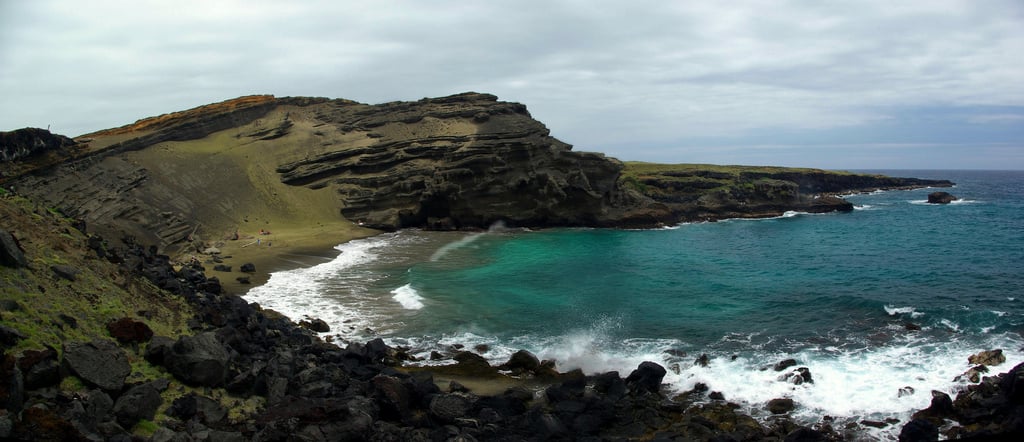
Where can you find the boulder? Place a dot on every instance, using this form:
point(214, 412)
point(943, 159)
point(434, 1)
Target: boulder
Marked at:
point(11, 254)
point(66, 272)
point(784, 364)
point(12, 384)
point(100, 363)
point(94, 407)
point(199, 360)
point(392, 396)
point(919, 430)
point(316, 324)
point(156, 349)
point(248, 268)
point(647, 377)
point(799, 376)
point(804, 434)
point(139, 402)
point(988, 358)
point(451, 406)
point(521, 362)
point(204, 409)
point(941, 408)
point(222, 268)
point(973, 374)
point(40, 368)
point(905, 391)
point(701, 360)
point(472, 364)
point(129, 331)
point(781, 405)
point(941, 198)
point(610, 384)
point(1012, 385)
point(9, 336)
point(565, 391)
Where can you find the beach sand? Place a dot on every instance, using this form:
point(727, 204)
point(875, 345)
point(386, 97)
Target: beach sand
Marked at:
point(284, 248)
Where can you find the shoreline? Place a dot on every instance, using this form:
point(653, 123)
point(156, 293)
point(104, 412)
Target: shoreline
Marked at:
point(284, 248)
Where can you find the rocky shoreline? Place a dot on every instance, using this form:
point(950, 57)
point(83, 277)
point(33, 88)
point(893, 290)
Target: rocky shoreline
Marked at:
point(288, 384)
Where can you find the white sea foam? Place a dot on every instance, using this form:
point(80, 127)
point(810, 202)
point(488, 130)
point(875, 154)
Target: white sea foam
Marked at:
point(895, 311)
point(863, 207)
point(408, 297)
point(301, 292)
point(1000, 313)
point(926, 203)
point(850, 385)
point(950, 325)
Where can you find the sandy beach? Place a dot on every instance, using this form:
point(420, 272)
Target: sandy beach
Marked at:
point(283, 248)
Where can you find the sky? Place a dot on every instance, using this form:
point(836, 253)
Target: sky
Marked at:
point(868, 84)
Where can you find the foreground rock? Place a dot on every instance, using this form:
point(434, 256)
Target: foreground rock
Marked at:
point(99, 363)
point(990, 410)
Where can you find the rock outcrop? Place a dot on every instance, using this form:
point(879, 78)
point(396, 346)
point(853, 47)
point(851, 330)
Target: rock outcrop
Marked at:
point(22, 144)
point(477, 161)
point(941, 198)
point(705, 192)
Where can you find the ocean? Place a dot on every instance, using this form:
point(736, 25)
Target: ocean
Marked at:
point(843, 294)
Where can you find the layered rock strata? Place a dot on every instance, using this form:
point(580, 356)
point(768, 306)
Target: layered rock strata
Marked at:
point(463, 161)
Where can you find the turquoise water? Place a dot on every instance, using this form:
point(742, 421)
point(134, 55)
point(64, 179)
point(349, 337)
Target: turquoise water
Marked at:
point(836, 291)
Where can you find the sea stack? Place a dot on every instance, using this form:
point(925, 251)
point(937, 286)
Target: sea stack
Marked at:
point(941, 198)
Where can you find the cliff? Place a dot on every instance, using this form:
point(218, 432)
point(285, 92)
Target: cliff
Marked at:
point(463, 161)
point(697, 192)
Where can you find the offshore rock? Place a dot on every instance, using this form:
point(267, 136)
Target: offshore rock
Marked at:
point(941, 198)
point(647, 377)
point(988, 357)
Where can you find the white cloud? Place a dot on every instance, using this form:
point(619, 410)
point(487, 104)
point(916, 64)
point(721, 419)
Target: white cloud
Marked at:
point(599, 74)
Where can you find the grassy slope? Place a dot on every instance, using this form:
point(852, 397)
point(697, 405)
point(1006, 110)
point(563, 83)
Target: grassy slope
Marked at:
point(101, 293)
point(230, 183)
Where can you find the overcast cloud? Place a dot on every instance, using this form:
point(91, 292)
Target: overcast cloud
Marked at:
point(833, 84)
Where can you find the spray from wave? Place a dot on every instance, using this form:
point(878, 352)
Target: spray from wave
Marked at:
point(497, 227)
point(408, 297)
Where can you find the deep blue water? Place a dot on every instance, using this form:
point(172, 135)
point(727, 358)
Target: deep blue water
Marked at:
point(836, 291)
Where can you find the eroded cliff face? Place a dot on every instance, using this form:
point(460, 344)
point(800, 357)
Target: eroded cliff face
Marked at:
point(462, 161)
